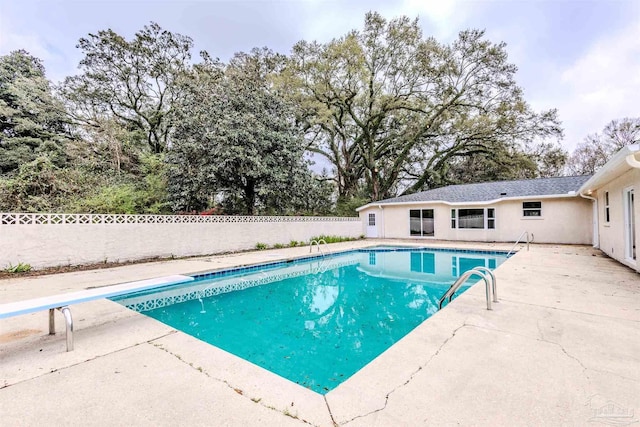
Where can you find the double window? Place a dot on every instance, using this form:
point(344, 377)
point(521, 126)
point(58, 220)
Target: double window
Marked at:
point(473, 218)
point(532, 209)
point(421, 222)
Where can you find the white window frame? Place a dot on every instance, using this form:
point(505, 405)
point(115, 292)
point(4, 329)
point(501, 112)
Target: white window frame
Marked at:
point(431, 236)
point(525, 209)
point(455, 219)
point(372, 220)
point(607, 212)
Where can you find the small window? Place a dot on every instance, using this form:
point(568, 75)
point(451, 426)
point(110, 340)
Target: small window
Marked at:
point(532, 209)
point(372, 219)
point(491, 218)
point(453, 218)
point(372, 258)
point(606, 206)
point(421, 222)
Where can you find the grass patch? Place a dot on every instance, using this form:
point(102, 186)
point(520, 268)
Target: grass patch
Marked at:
point(335, 239)
point(19, 268)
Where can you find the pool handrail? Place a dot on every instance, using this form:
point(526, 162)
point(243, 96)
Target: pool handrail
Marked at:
point(317, 243)
point(494, 281)
point(518, 241)
point(63, 301)
point(463, 278)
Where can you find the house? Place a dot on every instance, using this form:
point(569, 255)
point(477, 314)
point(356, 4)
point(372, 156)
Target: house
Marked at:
point(598, 210)
point(615, 213)
point(549, 208)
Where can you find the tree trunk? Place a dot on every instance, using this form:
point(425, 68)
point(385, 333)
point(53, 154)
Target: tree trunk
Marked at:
point(250, 197)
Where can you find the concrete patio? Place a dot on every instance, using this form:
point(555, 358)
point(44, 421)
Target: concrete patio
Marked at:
point(561, 348)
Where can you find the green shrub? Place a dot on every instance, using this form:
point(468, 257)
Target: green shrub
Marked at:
point(261, 246)
point(19, 268)
point(333, 239)
point(278, 246)
point(293, 244)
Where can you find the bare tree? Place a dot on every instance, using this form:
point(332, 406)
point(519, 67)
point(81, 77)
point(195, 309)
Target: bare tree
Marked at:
point(597, 149)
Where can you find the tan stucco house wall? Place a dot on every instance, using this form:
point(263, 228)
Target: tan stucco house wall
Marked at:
point(619, 234)
point(563, 220)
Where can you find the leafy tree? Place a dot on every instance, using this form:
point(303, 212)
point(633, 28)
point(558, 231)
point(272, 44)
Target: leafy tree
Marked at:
point(236, 142)
point(392, 109)
point(506, 163)
point(597, 149)
point(134, 82)
point(32, 122)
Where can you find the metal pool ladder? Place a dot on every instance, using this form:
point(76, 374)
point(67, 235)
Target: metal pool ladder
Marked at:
point(317, 243)
point(489, 281)
point(524, 233)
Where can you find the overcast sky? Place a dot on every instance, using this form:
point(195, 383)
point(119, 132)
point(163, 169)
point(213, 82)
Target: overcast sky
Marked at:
point(581, 57)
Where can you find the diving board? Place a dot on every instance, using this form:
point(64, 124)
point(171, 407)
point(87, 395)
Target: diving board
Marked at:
point(63, 301)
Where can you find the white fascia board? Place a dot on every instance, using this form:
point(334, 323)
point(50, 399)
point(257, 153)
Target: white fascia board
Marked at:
point(623, 161)
point(480, 203)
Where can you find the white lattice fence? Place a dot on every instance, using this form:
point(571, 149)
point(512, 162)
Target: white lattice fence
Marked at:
point(45, 240)
point(41, 219)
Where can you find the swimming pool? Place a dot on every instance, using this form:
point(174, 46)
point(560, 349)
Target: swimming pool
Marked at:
point(315, 321)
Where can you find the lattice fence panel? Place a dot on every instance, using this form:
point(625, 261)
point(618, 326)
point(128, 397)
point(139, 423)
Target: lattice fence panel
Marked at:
point(54, 219)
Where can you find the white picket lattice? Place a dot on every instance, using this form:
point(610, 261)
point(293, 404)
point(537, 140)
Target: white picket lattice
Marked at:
point(53, 219)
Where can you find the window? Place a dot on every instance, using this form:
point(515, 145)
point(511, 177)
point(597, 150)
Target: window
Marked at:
point(606, 206)
point(423, 262)
point(372, 258)
point(491, 218)
point(532, 209)
point(473, 218)
point(421, 222)
point(470, 218)
point(372, 219)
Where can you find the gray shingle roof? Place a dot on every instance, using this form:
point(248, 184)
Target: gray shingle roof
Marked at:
point(486, 191)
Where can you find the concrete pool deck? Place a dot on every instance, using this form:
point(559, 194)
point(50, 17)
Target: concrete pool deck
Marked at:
point(561, 347)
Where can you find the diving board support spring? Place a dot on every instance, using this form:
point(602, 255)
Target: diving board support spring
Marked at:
point(68, 320)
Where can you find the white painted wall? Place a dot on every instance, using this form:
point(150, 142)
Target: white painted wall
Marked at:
point(611, 237)
point(48, 245)
point(563, 220)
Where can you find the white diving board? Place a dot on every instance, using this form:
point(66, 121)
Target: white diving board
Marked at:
point(63, 301)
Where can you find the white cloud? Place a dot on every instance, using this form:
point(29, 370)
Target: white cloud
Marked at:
point(602, 85)
point(41, 44)
point(445, 17)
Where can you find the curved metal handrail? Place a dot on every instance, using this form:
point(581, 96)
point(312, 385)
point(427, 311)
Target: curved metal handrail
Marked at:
point(463, 278)
point(518, 241)
point(494, 287)
point(317, 243)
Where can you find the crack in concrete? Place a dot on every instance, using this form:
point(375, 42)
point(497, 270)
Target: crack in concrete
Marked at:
point(569, 355)
point(238, 391)
point(6, 384)
point(413, 374)
point(333, 420)
point(569, 311)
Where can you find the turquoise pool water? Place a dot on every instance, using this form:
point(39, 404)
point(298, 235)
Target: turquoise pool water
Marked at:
point(315, 322)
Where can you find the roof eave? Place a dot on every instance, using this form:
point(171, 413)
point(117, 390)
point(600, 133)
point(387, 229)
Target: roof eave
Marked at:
point(623, 161)
point(481, 202)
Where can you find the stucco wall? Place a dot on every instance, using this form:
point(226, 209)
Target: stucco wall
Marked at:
point(563, 220)
point(40, 242)
point(611, 234)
